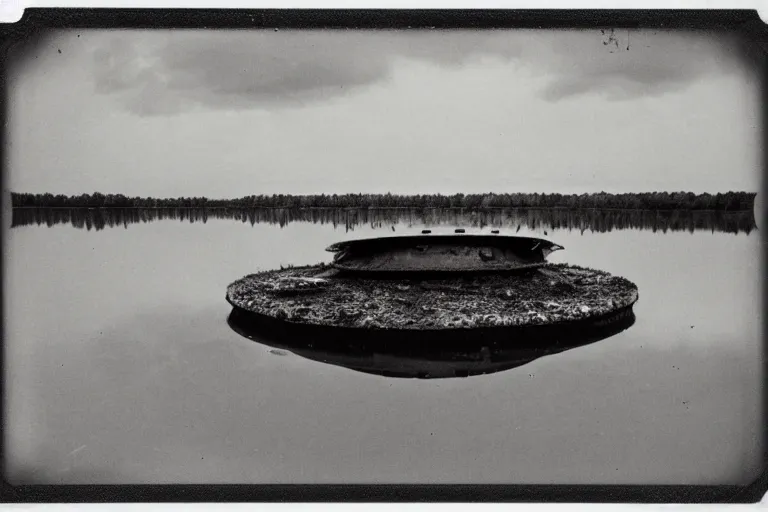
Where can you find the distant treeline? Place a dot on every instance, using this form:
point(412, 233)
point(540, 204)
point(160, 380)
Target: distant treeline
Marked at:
point(728, 201)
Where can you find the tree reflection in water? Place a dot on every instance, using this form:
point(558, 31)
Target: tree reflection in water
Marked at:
point(592, 220)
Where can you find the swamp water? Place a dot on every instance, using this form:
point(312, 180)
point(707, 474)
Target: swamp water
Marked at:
point(121, 367)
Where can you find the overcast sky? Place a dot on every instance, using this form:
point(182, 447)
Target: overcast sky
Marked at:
point(232, 113)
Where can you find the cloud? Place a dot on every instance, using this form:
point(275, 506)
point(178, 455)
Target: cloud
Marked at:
point(640, 63)
point(165, 72)
point(238, 69)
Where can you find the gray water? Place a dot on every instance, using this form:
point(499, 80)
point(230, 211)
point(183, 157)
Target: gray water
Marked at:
point(121, 368)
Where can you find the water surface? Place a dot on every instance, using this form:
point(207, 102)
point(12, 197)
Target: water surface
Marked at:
point(122, 368)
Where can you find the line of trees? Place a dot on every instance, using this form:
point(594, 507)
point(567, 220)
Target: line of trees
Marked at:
point(728, 201)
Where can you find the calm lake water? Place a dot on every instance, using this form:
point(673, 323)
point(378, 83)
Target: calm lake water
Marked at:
point(121, 367)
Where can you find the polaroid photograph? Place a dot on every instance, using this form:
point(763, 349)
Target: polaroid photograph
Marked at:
point(383, 255)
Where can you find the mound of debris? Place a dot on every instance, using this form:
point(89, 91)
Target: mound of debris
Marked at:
point(318, 295)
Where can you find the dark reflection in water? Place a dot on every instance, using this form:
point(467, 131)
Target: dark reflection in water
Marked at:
point(430, 360)
point(554, 219)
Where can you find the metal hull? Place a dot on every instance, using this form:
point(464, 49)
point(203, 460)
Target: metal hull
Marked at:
point(446, 254)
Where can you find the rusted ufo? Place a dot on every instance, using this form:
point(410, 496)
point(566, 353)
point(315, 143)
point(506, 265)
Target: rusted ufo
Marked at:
point(451, 291)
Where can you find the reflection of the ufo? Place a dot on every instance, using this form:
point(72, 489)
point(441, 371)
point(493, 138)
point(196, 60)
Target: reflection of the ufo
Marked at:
point(426, 361)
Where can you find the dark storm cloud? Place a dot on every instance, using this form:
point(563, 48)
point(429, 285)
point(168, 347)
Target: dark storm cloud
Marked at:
point(635, 64)
point(265, 68)
point(167, 72)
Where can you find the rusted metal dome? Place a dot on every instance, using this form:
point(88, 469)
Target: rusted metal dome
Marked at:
point(426, 254)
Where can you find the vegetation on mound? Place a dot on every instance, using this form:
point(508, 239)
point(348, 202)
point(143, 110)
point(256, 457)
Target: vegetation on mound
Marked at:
point(315, 295)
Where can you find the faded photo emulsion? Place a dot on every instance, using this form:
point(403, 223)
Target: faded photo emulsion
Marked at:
point(383, 256)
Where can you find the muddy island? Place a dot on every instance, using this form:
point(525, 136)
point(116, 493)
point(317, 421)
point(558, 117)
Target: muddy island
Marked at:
point(529, 301)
